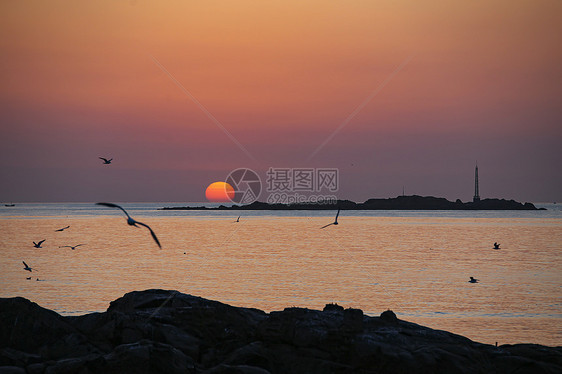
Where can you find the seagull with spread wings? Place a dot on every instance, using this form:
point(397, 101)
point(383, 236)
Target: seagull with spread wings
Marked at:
point(62, 229)
point(73, 247)
point(27, 267)
point(131, 221)
point(38, 245)
point(105, 160)
point(335, 221)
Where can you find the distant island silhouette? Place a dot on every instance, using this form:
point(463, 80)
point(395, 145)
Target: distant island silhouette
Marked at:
point(413, 202)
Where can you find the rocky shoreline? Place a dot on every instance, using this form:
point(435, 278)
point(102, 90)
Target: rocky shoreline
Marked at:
point(159, 331)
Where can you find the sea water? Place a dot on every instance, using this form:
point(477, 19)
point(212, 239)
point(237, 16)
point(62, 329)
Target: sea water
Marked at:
point(416, 263)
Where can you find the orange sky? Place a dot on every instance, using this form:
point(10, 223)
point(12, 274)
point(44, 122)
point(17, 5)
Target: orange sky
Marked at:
point(78, 82)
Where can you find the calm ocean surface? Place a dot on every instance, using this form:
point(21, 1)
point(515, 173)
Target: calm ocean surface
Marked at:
point(416, 263)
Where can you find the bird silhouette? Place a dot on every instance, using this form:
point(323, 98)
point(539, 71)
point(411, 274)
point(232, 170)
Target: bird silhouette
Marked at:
point(105, 160)
point(38, 245)
point(64, 228)
point(473, 280)
point(496, 245)
point(26, 267)
point(73, 247)
point(131, 221)
point(237, 220)
point(335, 221)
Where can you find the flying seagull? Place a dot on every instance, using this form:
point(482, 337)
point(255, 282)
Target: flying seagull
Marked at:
point(73, 247)
point(335, 221)
point(473, 280)
point(105, 160)
point(131, 221)
point(38, 245)
point(64, 228)
point(237, 219)
point(26, 267)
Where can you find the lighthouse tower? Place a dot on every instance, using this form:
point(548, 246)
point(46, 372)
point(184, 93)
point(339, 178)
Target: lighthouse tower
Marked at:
point(476, 191)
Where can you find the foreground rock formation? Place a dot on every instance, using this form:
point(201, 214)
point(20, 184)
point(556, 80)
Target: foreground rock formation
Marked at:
point(157, 331)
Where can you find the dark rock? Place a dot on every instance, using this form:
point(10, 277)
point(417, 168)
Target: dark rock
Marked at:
point(353, 320)
point(71, 365)
point(70, 345)
point(236, 369)
point(178, 339)
point(11, 370)
point(255, 354)
point(10, 356)
point(389, 316)
point(35, 368)
point(157, 331)
point(332, 308)
point(147, 357)
point(535, 352)
point(26, 326)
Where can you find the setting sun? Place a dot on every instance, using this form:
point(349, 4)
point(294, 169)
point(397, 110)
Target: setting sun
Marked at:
point(219, 192)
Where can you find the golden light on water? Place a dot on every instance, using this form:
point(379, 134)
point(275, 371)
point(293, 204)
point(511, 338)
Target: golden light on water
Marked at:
point(418, 267)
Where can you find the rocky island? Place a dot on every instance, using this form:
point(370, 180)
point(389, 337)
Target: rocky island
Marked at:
point(413, 202)
point(158, 331)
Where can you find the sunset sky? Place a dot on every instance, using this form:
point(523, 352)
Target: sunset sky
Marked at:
point(452, 83)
